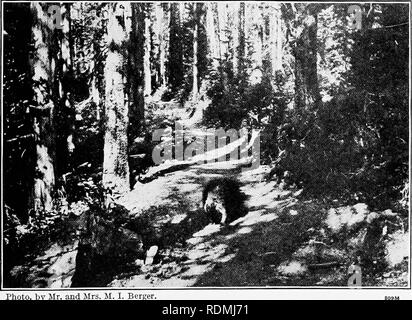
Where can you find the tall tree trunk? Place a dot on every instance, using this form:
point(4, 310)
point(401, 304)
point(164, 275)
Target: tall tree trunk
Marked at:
point(43, 68)
point(241, 45)
point(276, 39)
point(305, 52)
point(257, 32)
point(94, 90)
point(162, 30)
point(136, 68)
point(175, 63)
point(221, 18)
point(222, 9)
point(254, 30)
point(146, 58)
point(195, 85)
point(212, 35)
point(115, 163)
point(96, 67)
point(65, 115)
point(235, 36)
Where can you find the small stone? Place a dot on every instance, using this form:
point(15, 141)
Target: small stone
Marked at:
point(292, 268)
point(138, 262)
point(333, 220)
point(397, 248)
point(151, 254)
point(361, 208)
point(371, 217)
point(389, 213)
point(293, 212)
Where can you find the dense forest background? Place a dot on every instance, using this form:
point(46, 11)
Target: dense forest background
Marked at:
point(85, 86)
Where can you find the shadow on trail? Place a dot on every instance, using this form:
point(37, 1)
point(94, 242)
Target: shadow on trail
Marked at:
point(256, 250)
point(244, 253)
point(109, 247)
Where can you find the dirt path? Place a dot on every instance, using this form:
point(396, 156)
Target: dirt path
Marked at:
point(212, 256)
point(273, 245)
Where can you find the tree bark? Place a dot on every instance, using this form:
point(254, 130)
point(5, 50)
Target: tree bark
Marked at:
point(146, 58)
point(43, 68)
point(212, 35)
point(235, 37)
point(162, 30)
point(305, 52)
point(276, 39)
point(254, 30)
point(175, 63)
point(222, 9)
point(221, 18)
point(115, 163)
point(136, 74)
point(241, 45)
point(195, 85)
point(65, 113)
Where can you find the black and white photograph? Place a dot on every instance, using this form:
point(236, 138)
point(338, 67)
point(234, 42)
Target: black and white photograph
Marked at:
point(205, 145)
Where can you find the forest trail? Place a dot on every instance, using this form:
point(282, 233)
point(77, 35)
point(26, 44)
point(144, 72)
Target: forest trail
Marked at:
point(214, 255)
point(233, 255)
point(192, 251)
point(274, 244)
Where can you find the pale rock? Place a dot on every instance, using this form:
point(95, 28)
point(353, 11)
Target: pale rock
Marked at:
point(361, 208)
point(372, 217)
point(333, 221)
point(151, 254)
point(292, 268)
point(397, 248)
point(293, 212)
point(389, 213)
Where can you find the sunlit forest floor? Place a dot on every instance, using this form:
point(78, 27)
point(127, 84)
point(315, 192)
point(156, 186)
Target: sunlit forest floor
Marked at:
point(282, 241)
